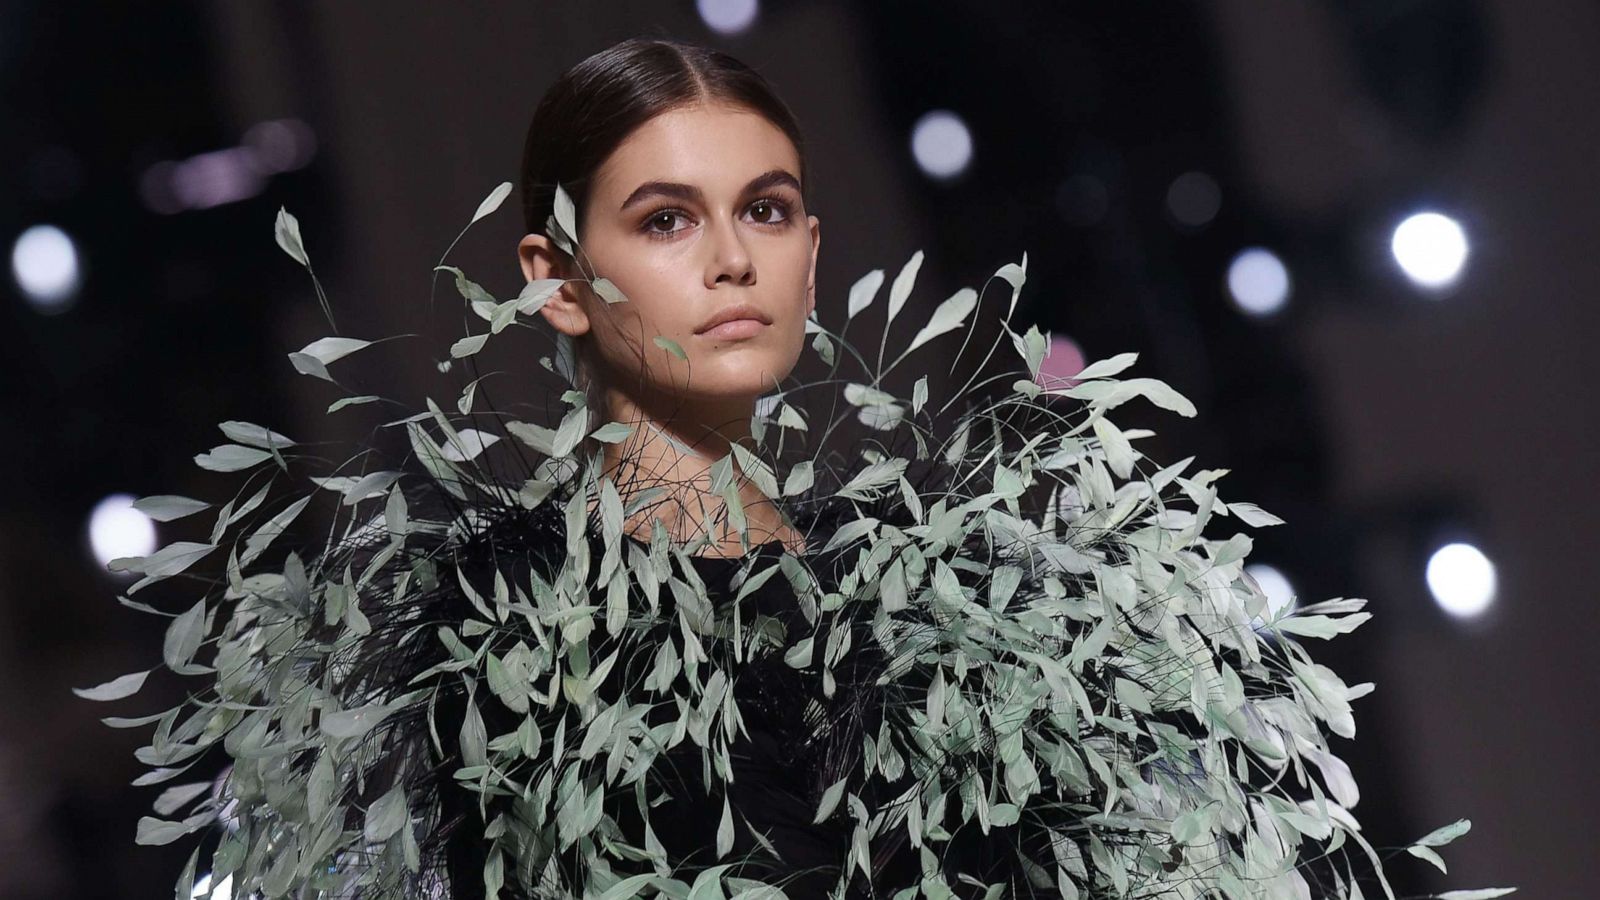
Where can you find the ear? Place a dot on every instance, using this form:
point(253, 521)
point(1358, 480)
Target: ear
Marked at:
point(540, 259)
point(811, 276)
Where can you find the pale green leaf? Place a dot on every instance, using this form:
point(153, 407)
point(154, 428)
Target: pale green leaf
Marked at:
point(493, 201)
point(115, 689)
point(949, 315)
point(167, 507)
point(862, 292)
point(670, 345)
point(903, 282)
point(286, 229)
point(231, 458)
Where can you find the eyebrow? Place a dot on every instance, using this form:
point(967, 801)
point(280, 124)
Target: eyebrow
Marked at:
point(688, 192)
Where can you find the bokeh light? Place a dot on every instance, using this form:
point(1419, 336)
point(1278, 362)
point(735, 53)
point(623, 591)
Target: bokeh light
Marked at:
point(1258, 281)
point(116, 529)
point(1431, 249)
point(45, 266)
point(728, 16)
point(1461, 579)
point(941, 144)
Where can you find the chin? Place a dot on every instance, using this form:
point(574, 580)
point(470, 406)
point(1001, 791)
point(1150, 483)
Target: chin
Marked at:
point(747, 383)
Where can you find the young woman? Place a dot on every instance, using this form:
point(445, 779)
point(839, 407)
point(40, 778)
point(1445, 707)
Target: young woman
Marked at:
point(689, 182)
point(638, 650)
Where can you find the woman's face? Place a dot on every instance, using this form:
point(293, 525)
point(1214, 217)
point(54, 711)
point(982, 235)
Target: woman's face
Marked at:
point(697, 214)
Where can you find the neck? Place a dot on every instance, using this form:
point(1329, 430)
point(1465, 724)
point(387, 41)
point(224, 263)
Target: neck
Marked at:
point(674, 444)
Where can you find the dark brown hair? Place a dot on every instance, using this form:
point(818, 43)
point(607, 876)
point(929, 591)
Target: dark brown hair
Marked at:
point(597, 103)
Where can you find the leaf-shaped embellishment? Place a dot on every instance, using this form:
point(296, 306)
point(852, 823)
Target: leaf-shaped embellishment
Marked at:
point(269, 531)
point(231, 458)
point(386, 816)
point(1119, 452)
point(474, 738)
point(167, 507)
point(538, 437)
point(1324, 627)
point(321, 787)
point(613, 432)
point(468, 346)
point(566, 214)
point(829, 802)
point(800, 479)
point(950, 315)
point(607, 290)
point(535, 294)
point(155, 832)
point(115, 689)
point(867, 483)
point(725, 829)
point(903, 282)
point(183, 637)
point(670, 345)
point(570, 434)
point(313, 359)
point(1444, 835)
point(1015, 274)
point(286, 229)
point(178, 796)
point(850, 532)
point(353, 723)
point(1106, 368)
point(253, 435)
point(493, 201)
point(342, 402)
point(470, 290)
point(467, 444)
point(863, 291)
point(824, 347)
point(169, 560)
point(1251, 514)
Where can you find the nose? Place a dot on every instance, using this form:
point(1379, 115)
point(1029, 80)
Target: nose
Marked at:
point(730, 258)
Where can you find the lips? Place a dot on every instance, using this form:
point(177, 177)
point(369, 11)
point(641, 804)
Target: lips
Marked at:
point(741, 317)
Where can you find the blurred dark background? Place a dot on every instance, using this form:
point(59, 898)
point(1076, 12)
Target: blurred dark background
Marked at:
point(1360, 235)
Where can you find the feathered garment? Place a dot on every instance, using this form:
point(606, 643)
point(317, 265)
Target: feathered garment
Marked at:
point(1009, 663)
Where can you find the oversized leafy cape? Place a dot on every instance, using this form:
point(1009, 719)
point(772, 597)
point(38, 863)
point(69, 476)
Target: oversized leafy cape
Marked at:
point(1051, 655)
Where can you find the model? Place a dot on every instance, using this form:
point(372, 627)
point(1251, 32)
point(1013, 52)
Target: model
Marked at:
point(675, 637)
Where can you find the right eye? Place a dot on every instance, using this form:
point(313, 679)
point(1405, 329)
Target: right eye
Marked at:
point(662, 217)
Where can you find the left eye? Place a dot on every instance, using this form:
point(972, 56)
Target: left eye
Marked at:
point(772, 207)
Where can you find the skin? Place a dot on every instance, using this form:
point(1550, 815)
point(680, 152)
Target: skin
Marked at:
point(679, 259)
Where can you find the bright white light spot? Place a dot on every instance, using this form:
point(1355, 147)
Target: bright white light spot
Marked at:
point(1258, 281)
point(1430, 248)
point(44, 262)
point(728, 16)
point(223, 891)
point(1462, 580)
point(1193, 198)
point(1280, 593)
point(117, 529)
point(941, 144)
point(1063, 358)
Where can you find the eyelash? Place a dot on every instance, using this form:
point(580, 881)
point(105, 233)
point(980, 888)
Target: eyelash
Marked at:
point(780, 205)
